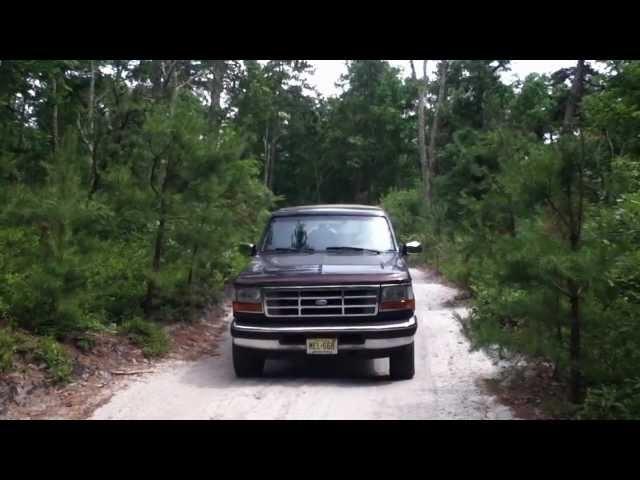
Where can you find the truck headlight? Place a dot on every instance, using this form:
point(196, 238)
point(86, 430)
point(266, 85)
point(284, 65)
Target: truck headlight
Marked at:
point(397, 297)
point(247, 299)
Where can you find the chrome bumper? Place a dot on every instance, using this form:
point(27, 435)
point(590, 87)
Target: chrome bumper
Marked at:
point(328, 329)
point(369, 344)
point(376, 336)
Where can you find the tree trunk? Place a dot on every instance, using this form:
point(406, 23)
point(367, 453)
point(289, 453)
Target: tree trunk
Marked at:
point(574, 231)
point(172, 94)
point(193, 259)
point(271, 137)
point(216, 87)
point(356, 185)
point(267, 151)
point(575, 367)
point(318, 180)
point(91, 140)
point(431, 157)
point(157, 250)
point(23, 121)
point(173, 90)
point(92, 96)
point(54, 115)
point(574, 98)
point(156, 79)
point(422, 149)
point(512, 221)
point(158, 244)
point(272, 161)
point(556, 367)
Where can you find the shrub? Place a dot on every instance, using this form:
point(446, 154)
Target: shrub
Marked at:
point(406, 210)
point(115, 281)
point(56, 359)
point(150, 336)
point(42, 349)
point(7, 349)
point(613, 402)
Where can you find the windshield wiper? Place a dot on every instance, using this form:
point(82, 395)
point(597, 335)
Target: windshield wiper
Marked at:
point(354, 249)
point(290, 250)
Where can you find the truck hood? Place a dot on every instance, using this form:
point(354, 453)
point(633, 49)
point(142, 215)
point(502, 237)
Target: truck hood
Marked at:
point(324, 269)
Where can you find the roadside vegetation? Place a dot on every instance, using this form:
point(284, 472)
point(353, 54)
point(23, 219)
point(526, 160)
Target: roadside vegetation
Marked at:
point(126, 187)
point(534, 210)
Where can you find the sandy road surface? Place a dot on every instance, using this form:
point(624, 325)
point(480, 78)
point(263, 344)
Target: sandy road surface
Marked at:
point(446, 385)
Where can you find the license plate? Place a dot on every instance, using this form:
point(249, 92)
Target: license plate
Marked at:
point(322, 346)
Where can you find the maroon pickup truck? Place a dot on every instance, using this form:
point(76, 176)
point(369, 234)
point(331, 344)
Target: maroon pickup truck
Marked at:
point(325, 280)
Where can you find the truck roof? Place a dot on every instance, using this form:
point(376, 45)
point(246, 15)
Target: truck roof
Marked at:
point(329, 209)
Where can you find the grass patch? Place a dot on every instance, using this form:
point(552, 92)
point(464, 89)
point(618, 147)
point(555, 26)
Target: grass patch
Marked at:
point(55, 358)
point(612, 402)
point(7, 349)
point(559, 408)
point(45, 349)
point(149, 336)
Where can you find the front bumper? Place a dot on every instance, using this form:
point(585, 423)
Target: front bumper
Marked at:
point(379, 338)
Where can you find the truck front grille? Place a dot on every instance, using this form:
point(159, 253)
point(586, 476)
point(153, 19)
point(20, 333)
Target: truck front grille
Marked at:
point(339, 301)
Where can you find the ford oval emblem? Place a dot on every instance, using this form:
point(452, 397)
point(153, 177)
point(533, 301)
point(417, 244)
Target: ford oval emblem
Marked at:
point(321, 302)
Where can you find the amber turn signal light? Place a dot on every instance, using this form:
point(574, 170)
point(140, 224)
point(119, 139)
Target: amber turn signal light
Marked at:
point(247, 307)
point(404, 304)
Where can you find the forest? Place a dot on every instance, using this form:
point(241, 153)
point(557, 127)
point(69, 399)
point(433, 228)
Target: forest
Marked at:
point(126, 187)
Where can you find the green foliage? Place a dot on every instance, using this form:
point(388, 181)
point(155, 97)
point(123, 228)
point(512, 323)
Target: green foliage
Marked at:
point(615, 110)
point(148, 335)
point(531, 221)
point(115, 281)
point(367, 134)
point(55, 358)
point(407, 211)
point(79, 249)
point(136, 216)
point(45, 349)
point(613, 402)
point(577, 229)
point(7, 349)
point(356, 146)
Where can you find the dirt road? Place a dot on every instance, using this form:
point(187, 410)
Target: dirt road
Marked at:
point(446, 385)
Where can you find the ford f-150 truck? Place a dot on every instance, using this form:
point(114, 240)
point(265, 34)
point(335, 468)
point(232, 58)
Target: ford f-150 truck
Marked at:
point(325, 280)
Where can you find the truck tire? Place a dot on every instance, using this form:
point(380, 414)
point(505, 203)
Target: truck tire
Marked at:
point(401, 363)
point(247, 363)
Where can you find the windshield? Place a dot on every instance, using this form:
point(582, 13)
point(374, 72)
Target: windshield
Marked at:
point(333, 232)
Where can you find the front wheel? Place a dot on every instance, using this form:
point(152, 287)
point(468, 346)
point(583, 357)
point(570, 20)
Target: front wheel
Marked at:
point(401, 363)
point(247, 363)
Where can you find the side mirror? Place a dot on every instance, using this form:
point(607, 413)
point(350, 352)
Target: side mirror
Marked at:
point(248, 249)
point(411, 247)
